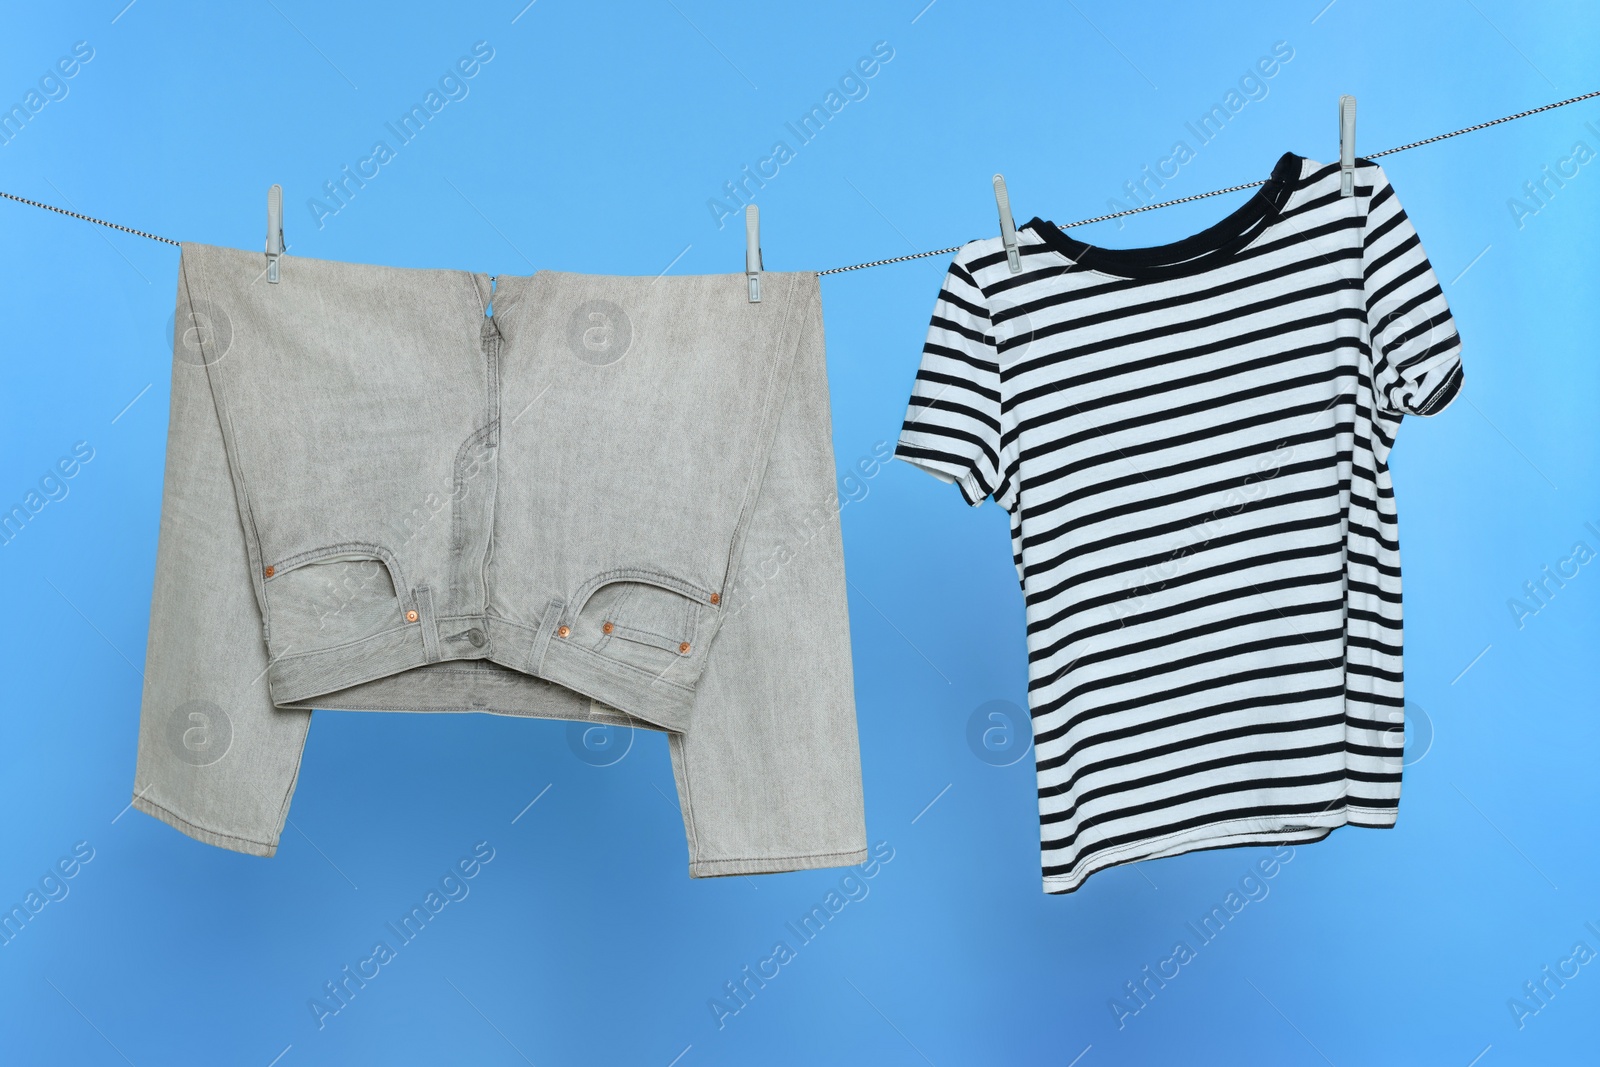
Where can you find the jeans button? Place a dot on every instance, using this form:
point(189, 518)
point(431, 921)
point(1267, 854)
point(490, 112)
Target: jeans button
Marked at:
point(475, 635)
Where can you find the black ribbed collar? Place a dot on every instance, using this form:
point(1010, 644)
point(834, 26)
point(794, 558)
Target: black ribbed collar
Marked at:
point(1205, 250)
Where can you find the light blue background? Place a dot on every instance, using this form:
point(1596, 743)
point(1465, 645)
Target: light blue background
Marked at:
point(592, 142)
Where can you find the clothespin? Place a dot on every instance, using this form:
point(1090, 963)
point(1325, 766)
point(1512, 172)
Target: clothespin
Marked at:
point(274, 231)
point(1008, 225)
point(752, 251)
point(1347, 146)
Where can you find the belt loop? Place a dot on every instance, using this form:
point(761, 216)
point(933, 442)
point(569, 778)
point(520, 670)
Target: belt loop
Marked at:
point(548, 624)
point(429, 624)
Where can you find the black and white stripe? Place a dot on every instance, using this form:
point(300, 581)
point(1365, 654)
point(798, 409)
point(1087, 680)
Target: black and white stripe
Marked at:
point(1192, 442)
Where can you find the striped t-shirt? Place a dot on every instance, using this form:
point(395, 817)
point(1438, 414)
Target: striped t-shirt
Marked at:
point(1192, 441)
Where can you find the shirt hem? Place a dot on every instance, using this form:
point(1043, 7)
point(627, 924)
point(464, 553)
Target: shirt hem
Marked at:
point(1231, 833)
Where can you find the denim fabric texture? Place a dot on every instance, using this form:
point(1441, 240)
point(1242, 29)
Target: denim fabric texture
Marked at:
point(563, 496)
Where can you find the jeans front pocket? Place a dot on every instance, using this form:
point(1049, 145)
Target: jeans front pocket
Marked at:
point(641, 624)
point(330, 600)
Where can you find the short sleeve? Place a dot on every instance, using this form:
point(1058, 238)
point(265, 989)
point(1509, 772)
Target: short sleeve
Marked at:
point(952, 426)
point(1416, 353)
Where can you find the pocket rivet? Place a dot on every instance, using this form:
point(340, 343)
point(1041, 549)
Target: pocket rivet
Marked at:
point(411, 616)
point(684, 648)
point(716, 598)
point(269, 571)
point(607, 628)
point(563, 631)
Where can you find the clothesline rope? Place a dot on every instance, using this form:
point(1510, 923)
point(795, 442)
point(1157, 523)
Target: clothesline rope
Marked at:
point(957, 248)
point(85, 218)
point(1233, 188)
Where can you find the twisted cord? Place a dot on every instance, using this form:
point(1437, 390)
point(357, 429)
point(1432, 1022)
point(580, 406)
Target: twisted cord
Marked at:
point(1237, 188)
point(86, 218)
point(957, 248)
point(1485, 125)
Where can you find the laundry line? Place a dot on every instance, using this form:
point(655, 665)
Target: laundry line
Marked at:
point(957, 248)
point(1231, 188)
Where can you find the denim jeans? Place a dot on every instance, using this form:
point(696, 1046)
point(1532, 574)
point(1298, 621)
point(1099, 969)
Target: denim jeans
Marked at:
point(563, 496)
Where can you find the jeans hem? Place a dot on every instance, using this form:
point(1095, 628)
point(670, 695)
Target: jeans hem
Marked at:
point(249, 846)
point(776, 864)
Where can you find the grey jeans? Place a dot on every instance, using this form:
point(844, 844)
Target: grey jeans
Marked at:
point(564, 496)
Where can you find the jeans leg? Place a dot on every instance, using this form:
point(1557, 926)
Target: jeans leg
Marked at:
point(216, 759)
point(769, 771)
